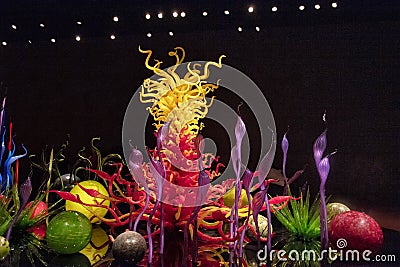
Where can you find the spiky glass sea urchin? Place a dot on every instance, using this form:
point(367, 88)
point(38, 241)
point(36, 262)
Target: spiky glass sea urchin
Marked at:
point(303, 223)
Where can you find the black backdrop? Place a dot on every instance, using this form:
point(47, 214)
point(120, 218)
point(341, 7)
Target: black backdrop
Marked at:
point(344, 61)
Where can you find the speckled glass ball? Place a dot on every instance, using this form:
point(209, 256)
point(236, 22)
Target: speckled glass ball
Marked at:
point(358, 230)
point(334, 209)
point(68, 232)
point(129, 246)
point(263, 226)
point(67, 180)
point(4, 248)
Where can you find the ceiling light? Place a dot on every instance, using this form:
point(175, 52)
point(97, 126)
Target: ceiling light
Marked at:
point(115, 19)
point(148, 16)
point(77, 38)
point(149, 35)
point(41, 25)
point(317, 6)
point(251, 9)
point(274, 9)
point(14, 26)
point(52, 40)
point(29, 41)
point(4, 43)
point(183, 14)
point(334, 5)
point(257, 28)
point(160, 15)
point(302, 7)
point(175, 14)
point(205, 13)
point(171, 34)
point(79, 22)
point(112, 36)
point(240, 29)
point(226, 12)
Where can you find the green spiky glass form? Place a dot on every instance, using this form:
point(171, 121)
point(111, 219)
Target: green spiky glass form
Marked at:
point(301, 219)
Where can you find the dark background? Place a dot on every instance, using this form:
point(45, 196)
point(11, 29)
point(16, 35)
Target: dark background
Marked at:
point(343, 60)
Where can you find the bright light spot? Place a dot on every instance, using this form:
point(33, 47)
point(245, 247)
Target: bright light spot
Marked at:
point(226, 12)
point(79, 22)
point(175, 14)
point(53, 40)
point(334, 5)
point(274, 9)
point(205, 13)
point(171, 34)
point(78, 38)
point(14, 26)
point(41, 25)
point(257, 28)
point(317, 6)
point(115, 19)
point(149, 35)
point(148, 16)
point(251, 9)
point(302, 7)
point(183, 14)
point(160, 15)
point(112, 36)
point(29, 41)
point(4, 43)
point(240, 29)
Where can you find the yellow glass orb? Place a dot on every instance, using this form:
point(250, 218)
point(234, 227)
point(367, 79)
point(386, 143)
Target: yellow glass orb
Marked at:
point(100, 241)
point(229, 198)
point(87, 199)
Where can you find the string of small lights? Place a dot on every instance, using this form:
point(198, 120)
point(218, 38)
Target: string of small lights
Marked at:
point(172, 16)
point(79, 23)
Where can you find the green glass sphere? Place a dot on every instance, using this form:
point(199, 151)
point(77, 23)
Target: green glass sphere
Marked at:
point(68, 232)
